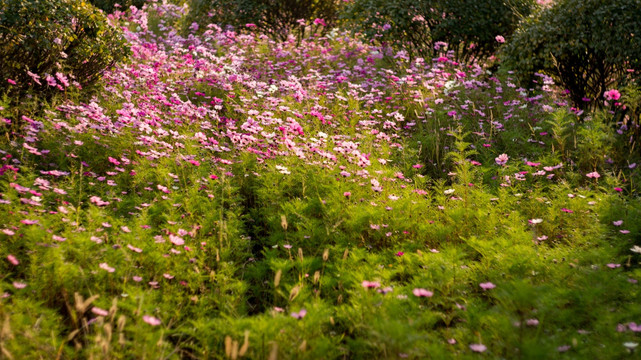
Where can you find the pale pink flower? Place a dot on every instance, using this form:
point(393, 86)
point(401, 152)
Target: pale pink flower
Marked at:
point(106, 267)
point(153, 321)
point(13, 260)
point(418, 292)
point(176, 240)
point(100, 312)
point(487, 286)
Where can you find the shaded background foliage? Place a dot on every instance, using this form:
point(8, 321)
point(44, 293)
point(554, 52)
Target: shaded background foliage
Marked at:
point(278, 18)
point(47, 37)
point(470, 27)
point(109, 5)
point(586, 45)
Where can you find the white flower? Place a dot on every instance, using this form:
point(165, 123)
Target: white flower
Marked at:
point(636, 249)
point(448, 191)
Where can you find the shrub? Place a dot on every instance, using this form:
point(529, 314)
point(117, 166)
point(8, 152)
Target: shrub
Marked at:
point(587, 45)
point(108, 5)
point(470, 27)
point(276, 17)
point(66, 41)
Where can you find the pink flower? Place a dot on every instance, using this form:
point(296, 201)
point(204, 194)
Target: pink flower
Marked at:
point(500, 39)
point(250, 25)
point(176, 240)
point(487, 286)
point(422, 293)
point(59, 238)
point(13, 260)
point(133, 248)
point(12, 82)
point(532, 322)
point(153, 321)
point(371, 284)
point(478, 347)
point(100, 312)
point(617, 223)
point(502, 159)
point(612, 94)
point(299, 315)
point(321, 22)
point(593, 175)
point(106, 267)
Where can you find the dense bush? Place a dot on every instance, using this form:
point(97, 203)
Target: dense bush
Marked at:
point(469, 26)
point(587, 45)
point(278, 18)
point(54, 44)
point(109, 5)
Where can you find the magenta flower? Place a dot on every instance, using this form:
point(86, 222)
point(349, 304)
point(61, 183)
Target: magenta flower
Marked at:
point(612, 94)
